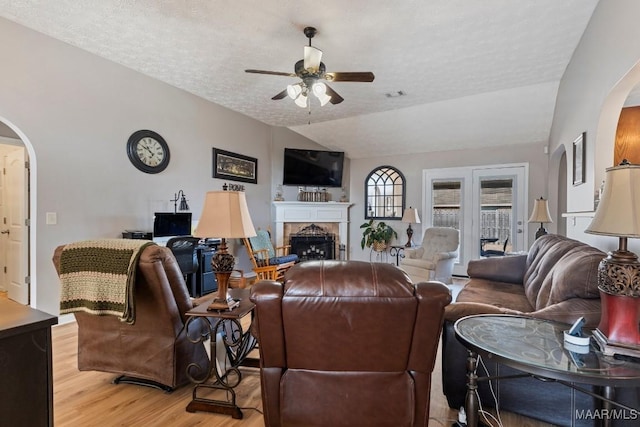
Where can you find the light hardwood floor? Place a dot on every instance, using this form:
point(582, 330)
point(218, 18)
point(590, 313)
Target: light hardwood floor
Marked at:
point(90, 399)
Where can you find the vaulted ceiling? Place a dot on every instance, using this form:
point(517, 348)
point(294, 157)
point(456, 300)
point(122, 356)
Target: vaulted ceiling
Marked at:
point(482, 73)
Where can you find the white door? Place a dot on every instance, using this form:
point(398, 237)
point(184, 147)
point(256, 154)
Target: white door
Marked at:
point(447, 203)
point(499, 199)
point(14, 228)
point(462, 198)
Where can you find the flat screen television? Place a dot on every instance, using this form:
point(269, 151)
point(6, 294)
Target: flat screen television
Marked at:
point(167, 224)
point(313, 167)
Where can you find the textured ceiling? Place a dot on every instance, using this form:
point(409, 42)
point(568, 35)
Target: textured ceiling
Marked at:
point(474, 73)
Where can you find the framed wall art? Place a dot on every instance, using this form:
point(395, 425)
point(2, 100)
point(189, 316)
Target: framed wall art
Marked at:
point(234, 167)
point(579, 161)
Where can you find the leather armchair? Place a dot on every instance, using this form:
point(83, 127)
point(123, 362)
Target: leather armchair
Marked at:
point(155, 350)
point(347, 343)
point(435, 257)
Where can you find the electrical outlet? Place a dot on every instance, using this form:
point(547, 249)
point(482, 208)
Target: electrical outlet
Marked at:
point(51, 218)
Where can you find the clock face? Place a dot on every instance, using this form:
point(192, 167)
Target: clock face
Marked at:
point(148, 151)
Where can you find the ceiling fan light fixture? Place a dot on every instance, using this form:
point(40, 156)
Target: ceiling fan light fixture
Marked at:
point(294, 91)
point(319, 89)
point(324, 99)
point(301, 100)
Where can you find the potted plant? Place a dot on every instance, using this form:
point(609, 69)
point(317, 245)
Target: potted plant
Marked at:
point(376, 236)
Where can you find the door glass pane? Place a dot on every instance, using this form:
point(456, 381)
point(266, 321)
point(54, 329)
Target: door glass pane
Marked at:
point(447, 196)
point(496, 216)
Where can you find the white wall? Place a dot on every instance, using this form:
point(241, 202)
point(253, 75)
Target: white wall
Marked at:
point(412, 167)
point(77, 111)
point(591, 95)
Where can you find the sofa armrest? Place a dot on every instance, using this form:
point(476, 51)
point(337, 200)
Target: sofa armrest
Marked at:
point(568, 311)
point(509, 269)
point(414, 253)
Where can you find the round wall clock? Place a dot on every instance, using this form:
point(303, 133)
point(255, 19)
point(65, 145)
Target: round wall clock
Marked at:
point(148, 151)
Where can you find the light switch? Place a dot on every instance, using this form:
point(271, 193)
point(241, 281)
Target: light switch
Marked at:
point(52, 218)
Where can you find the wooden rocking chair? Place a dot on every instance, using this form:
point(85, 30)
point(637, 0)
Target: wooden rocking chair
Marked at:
point(269, 263)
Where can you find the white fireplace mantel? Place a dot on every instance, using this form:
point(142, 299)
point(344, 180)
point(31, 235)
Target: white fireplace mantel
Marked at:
point(315, 212)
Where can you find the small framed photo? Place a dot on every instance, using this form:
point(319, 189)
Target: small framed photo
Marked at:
point(579, 161)
point(234, 167)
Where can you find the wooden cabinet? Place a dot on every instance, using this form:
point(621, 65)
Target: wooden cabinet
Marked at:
point(26, 385)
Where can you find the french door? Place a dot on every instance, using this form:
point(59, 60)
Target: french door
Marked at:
point(487, 204)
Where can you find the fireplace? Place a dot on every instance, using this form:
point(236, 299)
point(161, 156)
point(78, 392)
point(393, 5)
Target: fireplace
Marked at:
point(291, 217)
point(313, 242)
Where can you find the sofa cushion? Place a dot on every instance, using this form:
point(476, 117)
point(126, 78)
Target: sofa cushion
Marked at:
point(551, 275)
point(498, 294)
point(283, 259)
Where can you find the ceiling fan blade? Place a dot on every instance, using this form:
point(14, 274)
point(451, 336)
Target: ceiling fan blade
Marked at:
point(335, 98)
point(312, 58)
point(350, 77)
point(272, 73)
point(280, 95)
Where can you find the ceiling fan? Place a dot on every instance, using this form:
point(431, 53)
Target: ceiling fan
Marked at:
point(312, 71)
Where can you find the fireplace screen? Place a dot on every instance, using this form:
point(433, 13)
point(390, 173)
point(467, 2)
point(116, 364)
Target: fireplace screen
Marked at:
point(313, 242)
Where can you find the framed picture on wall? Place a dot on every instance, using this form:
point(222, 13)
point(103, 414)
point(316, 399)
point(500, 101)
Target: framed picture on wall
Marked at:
point(234, 167)
point(579, 164)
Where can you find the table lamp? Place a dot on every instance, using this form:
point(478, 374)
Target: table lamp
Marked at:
point(540, 214)
point(181, 197)
point(225, 215)
point(410, 215)
point(618, 214)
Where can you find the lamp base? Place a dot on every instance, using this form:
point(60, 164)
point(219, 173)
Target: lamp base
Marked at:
point(541, 231)
point(617, 332)
point(220, 302)
point(409, 236)
point(618, 275)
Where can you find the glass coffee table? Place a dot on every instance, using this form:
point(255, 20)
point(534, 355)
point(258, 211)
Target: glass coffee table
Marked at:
point(536, 347)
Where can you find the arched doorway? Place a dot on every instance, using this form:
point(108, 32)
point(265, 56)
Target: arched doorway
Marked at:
point(16, 235)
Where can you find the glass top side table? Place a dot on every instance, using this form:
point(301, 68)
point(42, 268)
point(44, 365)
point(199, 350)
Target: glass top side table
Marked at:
point(536, 347)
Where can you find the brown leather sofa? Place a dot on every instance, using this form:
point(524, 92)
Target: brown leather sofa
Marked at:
point(345, 343)
point(557, 280)
point(155, 349)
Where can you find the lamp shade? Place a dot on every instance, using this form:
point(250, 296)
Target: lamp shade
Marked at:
point(540, 212)
point(225, 215)
point(410, 215)
point(618, 213)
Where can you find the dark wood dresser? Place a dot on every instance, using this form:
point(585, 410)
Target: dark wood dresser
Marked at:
point(26, 383)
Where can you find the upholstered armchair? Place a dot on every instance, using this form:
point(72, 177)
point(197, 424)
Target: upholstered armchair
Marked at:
point(435, 257)
point(269, 263)
point(347, 343)
point(153, 347)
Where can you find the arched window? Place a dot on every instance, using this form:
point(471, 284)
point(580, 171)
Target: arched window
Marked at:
point(384, 193)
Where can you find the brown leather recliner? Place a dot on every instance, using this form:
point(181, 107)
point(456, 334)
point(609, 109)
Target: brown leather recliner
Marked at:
point(347, 343)
point(155, 349)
